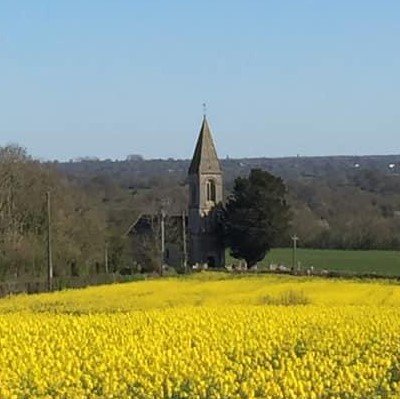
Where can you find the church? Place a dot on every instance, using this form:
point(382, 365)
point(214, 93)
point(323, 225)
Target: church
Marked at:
point(205, 193)
point(204, 237)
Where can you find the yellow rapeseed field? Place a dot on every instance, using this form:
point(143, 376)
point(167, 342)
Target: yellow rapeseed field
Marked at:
point(205, 336)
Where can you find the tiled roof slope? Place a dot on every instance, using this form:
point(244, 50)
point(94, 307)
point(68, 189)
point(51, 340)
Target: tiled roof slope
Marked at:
point(205, 159)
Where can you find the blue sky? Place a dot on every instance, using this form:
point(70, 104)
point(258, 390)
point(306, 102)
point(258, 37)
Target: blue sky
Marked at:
point(112, 78)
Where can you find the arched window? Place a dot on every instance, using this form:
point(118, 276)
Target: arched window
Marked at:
point(210, 190)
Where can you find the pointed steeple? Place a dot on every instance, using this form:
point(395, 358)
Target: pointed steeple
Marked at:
point(205, 159)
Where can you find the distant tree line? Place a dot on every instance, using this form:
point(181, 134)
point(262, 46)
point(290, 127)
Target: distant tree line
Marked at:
point(78, 223)
point(343, 202)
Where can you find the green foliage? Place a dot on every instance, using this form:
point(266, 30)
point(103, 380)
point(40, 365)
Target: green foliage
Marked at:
point(78, 225)
point(257, 215)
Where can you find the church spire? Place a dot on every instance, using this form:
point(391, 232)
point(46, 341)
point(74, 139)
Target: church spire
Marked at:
point(205, 159)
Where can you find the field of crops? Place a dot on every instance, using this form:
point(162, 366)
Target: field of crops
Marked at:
point(205, 336)
point(385, 263)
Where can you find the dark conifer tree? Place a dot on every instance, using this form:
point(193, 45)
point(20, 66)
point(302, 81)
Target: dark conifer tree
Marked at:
point(257, 215)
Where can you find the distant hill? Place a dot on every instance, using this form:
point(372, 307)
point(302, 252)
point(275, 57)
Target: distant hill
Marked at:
point(337, 201)
point(138, 170)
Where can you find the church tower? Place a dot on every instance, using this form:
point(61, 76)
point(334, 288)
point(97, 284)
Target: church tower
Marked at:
point(205, 193)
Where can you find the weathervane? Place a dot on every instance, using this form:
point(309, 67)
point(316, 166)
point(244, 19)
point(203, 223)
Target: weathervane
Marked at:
point(204, 110)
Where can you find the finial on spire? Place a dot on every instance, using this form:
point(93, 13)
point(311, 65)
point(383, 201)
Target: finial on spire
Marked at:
point(204, 110)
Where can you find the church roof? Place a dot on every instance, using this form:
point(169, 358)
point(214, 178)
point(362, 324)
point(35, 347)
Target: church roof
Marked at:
point(205, 159)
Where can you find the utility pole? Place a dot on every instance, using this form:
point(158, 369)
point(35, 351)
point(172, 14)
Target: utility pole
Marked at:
point(184, 241)
point(163, 203)
point(162, 222)
point(49, 248)
point(294, 239)
point(106, 257)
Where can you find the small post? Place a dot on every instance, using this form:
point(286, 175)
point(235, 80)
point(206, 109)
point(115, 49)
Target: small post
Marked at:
point(184, 241)
point(49, 248)
point(294, 239)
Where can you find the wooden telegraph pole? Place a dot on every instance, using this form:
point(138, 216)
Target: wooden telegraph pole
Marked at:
point(162, 222)
point(163, 203)
point(184, 249)
point(294, 253)
point(49, 248)
point(106, 257)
